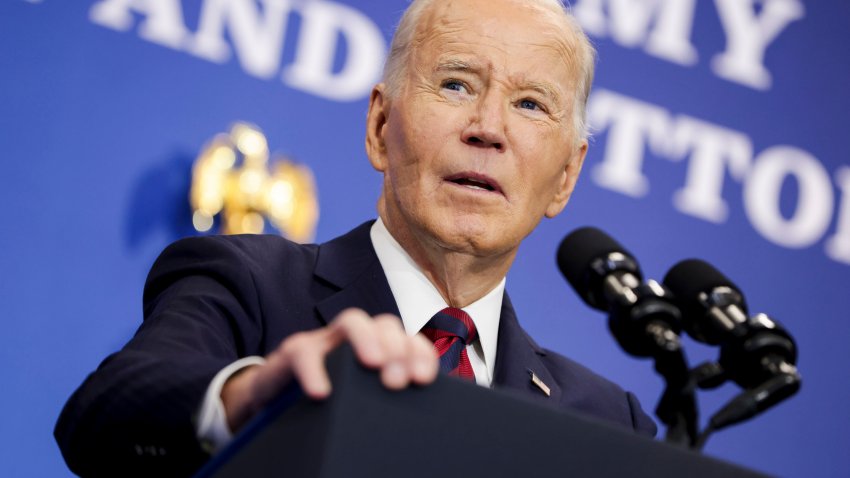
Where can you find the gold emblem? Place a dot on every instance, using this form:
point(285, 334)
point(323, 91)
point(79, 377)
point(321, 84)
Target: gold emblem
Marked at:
point(231, 176)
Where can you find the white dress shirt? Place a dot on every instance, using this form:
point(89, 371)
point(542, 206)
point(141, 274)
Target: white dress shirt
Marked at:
point(417, 299)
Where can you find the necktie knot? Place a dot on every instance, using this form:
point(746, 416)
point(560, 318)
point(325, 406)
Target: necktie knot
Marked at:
point(451, 330)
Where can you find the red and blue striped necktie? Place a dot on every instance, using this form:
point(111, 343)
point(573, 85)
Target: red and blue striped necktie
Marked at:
point(452, 330)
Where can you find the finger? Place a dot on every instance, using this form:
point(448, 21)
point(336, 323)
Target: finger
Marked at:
point(395, 372)
point(359, 329)
point(423, 361)
point(305, 353)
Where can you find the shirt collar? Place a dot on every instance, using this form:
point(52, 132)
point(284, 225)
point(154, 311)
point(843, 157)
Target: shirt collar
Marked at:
point(418, 299)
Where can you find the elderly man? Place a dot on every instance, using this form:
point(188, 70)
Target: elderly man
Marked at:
point(478, 131)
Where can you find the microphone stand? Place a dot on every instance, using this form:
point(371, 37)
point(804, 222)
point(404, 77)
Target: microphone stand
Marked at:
point(677, 407)
point(645, 323)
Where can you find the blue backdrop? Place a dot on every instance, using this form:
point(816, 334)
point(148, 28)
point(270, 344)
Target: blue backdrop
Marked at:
point(720, 132)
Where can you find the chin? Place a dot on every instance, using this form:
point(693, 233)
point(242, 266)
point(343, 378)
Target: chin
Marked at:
point(473, 236)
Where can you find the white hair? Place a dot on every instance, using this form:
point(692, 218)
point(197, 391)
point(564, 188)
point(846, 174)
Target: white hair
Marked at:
point(583, 54)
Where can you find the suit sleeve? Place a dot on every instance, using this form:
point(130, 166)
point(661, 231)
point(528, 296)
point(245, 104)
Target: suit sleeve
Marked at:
point(134, 415)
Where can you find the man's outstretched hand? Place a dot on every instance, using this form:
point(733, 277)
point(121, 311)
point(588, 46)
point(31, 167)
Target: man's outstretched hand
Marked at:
point(378, 343)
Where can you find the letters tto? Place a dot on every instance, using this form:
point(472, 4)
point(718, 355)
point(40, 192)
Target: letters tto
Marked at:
point(713, 152)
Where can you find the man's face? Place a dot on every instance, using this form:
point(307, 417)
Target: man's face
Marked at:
point(479, 144)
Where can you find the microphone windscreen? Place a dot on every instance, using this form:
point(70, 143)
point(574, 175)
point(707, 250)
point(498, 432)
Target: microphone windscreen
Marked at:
point(578, 250)
point(690, 277)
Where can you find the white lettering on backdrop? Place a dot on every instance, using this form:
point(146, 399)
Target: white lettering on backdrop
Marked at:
point(664, 27)
point(633, 127)
point(254, 31)
point(257, 37)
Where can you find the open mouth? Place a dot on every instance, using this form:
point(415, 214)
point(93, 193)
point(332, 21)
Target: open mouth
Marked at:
point(474, 182)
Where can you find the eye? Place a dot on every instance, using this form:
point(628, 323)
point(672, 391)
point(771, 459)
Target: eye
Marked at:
point(529, 105)
point(454, 85)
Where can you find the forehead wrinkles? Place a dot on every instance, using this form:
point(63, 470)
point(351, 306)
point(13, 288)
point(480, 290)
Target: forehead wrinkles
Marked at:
point(431, 28)
point(442, 22)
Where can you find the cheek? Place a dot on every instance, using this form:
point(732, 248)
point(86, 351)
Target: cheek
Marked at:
point(542, 164)
point(421, 142)
point(401, 151)
point(405, 165)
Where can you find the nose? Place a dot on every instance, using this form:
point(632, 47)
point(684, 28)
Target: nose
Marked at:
point(486, 128)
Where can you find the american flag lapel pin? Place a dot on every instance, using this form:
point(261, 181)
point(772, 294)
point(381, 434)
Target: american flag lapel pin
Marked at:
point(539, 383)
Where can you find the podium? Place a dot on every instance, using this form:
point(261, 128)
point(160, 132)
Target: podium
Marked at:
point(451, 428)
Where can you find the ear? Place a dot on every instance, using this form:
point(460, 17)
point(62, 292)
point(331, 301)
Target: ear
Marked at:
point(376, 120)
point(568, 181)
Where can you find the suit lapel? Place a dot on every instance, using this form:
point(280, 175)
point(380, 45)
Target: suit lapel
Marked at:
point(351, 267)
point(517, 356)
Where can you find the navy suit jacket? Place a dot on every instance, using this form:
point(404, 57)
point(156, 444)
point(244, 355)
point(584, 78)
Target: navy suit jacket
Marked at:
point(211, 300)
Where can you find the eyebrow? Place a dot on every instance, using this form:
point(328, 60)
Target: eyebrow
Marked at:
point(454, 64)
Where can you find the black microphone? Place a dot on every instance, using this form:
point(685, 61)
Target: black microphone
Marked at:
point(643, 317)
point(698, 287)
point(753, 349)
